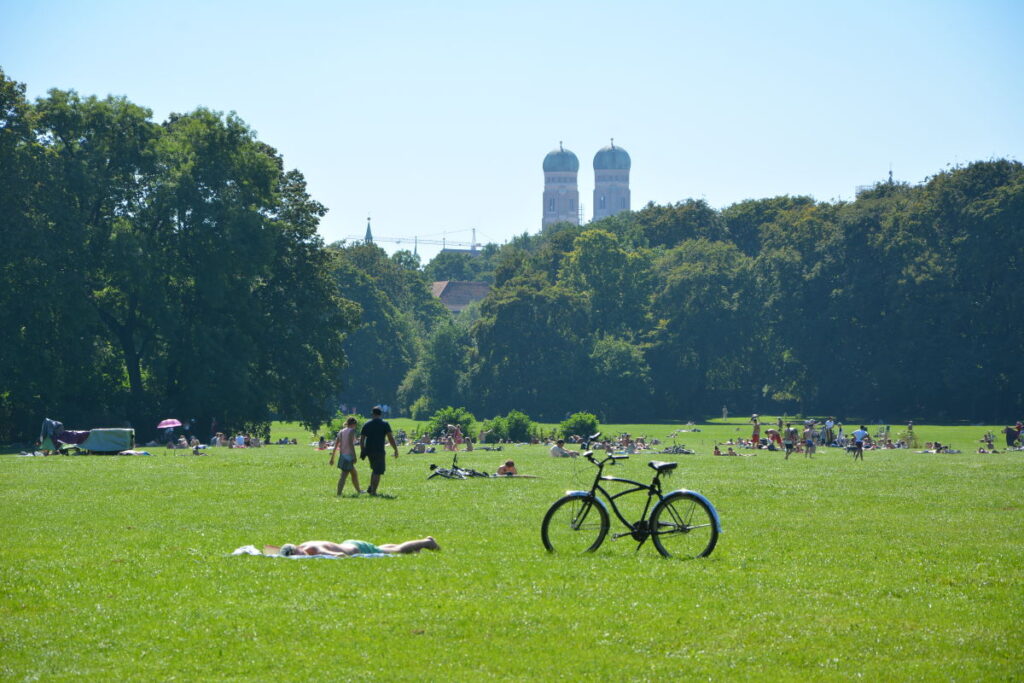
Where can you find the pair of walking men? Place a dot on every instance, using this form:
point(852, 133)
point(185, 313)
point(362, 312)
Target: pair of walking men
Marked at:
point(372, 438)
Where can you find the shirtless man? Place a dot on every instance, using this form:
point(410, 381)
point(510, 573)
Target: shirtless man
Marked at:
point(809, 441)
point(350, 548)
point(789, 440)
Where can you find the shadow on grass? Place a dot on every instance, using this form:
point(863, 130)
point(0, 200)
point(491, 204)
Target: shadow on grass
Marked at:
point(386, 496)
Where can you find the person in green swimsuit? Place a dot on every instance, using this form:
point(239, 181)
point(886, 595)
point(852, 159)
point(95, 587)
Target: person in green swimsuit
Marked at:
point(350, 547)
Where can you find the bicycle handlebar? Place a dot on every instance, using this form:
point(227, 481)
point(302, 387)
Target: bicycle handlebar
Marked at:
point(589, 455)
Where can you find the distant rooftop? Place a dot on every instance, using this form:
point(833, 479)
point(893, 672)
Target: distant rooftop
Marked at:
point(457, 295)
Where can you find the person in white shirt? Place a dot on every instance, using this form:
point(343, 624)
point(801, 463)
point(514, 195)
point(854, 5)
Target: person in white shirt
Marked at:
point(858, 442)
point(558, 452)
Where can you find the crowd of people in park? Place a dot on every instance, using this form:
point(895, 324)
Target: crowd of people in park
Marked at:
point(219, 440)
point(807, 436)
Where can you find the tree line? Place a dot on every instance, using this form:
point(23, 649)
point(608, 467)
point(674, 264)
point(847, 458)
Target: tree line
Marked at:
point(151, 270)
point(174, 269)
point(900, 304)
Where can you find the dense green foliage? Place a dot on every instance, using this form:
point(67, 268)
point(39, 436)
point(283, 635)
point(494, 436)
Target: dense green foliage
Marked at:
point(448, 415)
point(579, 424)
point(898, 304)
point(903, 567)
point(516, 426)
point(398, 312)
point(151, 270)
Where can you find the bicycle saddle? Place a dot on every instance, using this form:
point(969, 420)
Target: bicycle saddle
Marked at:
point(659, 466)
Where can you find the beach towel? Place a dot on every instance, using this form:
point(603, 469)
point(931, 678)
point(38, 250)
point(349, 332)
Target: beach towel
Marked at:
point(253, 550)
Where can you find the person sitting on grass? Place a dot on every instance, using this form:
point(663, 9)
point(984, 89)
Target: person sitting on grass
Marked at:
point(508, 469)
point(718, 451)
point(352, 547)
point(557, 451)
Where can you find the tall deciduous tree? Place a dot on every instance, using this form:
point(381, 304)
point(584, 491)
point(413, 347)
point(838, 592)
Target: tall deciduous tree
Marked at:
point(181, 267)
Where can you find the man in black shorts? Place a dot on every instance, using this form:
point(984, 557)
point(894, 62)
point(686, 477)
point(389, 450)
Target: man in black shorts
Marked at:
point(371, 445)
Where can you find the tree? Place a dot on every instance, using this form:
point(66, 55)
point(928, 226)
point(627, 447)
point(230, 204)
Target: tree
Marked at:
point(702, 343)
point(448, 415)
point(439, 378)
point(381, 349)
point(621, 379)
point(180, 265)
point(579, 424)
point(615, 281)
point(528, 340)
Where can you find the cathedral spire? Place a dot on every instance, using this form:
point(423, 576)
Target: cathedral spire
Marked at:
point(369, 235)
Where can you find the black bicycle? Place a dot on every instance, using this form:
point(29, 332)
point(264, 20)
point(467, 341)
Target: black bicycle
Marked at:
point(681, 523)
point(455, 472)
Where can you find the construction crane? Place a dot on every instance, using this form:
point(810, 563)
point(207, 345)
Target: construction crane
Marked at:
point(473, 245)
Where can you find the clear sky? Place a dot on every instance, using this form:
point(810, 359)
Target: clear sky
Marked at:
point(434, 117)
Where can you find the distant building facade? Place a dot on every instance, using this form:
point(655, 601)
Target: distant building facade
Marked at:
point(561, 189)
point(561, 193)
point(611, 181)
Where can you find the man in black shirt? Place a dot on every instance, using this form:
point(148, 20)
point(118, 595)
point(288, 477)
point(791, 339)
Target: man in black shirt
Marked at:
point(371, 445)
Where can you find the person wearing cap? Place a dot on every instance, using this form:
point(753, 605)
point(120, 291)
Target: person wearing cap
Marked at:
point(371, 447)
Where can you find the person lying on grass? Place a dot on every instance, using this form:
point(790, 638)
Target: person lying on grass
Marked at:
point(350, 548)
point(508, 469)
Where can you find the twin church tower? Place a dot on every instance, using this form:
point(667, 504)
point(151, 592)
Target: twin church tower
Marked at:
point(562, 196)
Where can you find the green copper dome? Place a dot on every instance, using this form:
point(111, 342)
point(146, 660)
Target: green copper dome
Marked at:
point(561, 160)
point(612, 158)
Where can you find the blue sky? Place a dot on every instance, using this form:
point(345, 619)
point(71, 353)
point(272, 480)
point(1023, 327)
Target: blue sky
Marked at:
point(434, 117)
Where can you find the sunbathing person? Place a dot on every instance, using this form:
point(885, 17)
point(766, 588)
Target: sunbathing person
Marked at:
point(350, 548)
point(508, 469)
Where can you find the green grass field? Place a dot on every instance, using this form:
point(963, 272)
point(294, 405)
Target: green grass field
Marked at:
point(905, 566)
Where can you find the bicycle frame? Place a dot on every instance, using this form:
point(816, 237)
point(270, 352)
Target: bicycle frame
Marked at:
point(653, 491)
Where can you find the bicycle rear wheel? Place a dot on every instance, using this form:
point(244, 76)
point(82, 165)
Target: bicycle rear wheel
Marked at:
point(682, 525)
point(574, 524)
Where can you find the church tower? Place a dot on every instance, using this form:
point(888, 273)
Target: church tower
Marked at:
point(611, 181)
point(561, 194)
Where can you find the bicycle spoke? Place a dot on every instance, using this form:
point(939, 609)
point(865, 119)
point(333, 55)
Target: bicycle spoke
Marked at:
point(574, 525)
point(683, 527)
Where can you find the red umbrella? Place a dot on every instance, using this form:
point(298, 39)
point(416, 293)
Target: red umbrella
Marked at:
point(169, 422)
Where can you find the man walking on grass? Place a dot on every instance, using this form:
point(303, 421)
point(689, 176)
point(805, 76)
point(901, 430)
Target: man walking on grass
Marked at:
point(371, 446)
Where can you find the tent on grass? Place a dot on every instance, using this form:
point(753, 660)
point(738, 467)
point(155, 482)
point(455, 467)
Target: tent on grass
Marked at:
point(53, 437)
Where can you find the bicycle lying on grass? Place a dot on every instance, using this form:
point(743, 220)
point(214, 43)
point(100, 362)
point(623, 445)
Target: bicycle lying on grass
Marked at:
point(682, 523)
point(675, 450)
point(455, 472)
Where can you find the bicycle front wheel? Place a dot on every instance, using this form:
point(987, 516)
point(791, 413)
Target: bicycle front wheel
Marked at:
point(574, 524)
point(682, 525)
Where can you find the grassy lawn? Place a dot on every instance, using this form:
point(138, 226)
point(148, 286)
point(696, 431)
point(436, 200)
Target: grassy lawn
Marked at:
point(906, 566)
